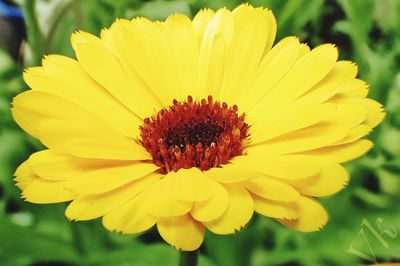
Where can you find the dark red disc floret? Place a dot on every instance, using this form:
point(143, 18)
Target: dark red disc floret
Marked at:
point(190, 133)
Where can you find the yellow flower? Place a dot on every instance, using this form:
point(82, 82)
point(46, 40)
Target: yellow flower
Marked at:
point(189, 125)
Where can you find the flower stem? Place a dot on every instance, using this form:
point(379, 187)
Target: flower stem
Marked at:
point(188, 258)
point(35, 36)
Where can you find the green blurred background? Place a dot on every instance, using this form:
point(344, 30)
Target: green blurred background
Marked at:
point(364, 218)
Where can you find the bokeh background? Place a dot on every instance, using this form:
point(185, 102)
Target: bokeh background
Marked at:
point(364, 224)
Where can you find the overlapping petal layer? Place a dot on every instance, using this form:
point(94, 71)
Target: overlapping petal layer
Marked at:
point(307, 114)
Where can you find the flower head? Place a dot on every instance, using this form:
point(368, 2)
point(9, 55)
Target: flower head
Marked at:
point(189, 125)
point(203, 134)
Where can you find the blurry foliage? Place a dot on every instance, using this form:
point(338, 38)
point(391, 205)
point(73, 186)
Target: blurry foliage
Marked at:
point(366, 31)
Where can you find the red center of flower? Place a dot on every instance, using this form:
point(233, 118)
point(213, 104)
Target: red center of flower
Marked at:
point(201, 134)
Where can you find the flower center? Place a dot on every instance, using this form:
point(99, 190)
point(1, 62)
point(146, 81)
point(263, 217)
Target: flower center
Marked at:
point(190, 133)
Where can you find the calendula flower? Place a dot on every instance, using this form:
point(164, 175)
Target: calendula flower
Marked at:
point(193, 124)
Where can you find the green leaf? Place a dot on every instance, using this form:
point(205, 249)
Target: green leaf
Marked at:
point(20, 243)
point(136, 254)
point(390, 140)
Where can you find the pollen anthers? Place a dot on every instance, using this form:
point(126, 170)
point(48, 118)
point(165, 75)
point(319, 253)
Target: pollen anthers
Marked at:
point(191, 133)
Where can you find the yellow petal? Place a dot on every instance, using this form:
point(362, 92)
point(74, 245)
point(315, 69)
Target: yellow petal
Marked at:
point(142, 44)
point(220, 24)
point(189, 185)
point(31, 107)
point(272, 27)
point(182, 232)
point(247, 46)
point(42, 192)
point(26, 120)
point(243, 9)
point(230, 173)
point(374, 110)
point(321, 93)
point(374, 118)
point(342, 73)
point(130, 218)
point(22, 182)
point(111, 39)
point(355, 134)
point(272, 189)
point(106, 69)
point(24, 175)
point(162, 203)
point(342, 153)
point(333, 83)
point(331, 179)
point(354, 88)
point(348, 114)
point(53, 132)
point(216, 41)
point(238, 214)
point(296, 119)
point(342, 70)
point(152, 57)
point(129, 47)
point(312, 216)
point(273, 67)
point(183, 45)
point(211, 66)
point(274, 209)
point(93, 206)
point(212, 208)
point(107, 179)
point(23, 170)
point(286, 167)
point(65, 78)
point(53, 165)
point(304, 74)
point(267, 15)
point(107, 148)
point(316, 136)
point(304, 50)
point(201, 20)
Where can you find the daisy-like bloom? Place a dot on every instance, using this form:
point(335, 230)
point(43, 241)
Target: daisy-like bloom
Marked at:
point(193, 124)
